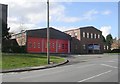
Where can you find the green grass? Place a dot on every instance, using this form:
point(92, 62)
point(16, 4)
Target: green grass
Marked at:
point(12, 61)
point(112, 53)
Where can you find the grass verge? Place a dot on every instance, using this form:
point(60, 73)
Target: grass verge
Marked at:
point(13, 61)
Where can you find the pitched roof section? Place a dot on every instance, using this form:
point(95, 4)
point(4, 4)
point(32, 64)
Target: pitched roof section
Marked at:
point(90, 27)
point(87, 27)
point(42, 33)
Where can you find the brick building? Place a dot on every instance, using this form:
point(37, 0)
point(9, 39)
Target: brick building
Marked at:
point(36, 41)
point(20, 38)
point(115, 44)
point(77, 41)
point(86, 40)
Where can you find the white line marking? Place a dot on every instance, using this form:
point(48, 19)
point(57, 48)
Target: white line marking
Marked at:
point(95, 76)
point(109, 66)
point(110, 61)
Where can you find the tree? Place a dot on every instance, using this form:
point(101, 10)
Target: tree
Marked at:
point(5, 36)
point(109, 40)
point(103, 39)
point(5, 31)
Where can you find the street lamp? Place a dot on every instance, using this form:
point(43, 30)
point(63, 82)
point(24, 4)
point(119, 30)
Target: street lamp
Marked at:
point(48, 39)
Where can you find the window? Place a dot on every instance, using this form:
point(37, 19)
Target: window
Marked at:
point(62, 46)
point(38, 45)
point(95, 36)
point(34, 45)
point(53, 45)
point(107, 47)
point(30, 45)
point(87, 35)
point(91, 35)
point(84, 47)
point(104, 47)
point(59, 46)
point(83, 34)
point(76, 34)
point(98, 36)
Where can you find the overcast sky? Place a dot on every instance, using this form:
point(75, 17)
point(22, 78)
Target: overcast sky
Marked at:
point(31, 14)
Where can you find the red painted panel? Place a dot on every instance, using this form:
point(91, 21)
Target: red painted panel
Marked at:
point(34, 45)
point(44, 45)
point(53, 45)
point(62, 46)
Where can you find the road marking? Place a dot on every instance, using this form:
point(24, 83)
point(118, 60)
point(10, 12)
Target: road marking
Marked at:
point(112, 61)
point(109, 66)
point(95, 76)
point(87, 55)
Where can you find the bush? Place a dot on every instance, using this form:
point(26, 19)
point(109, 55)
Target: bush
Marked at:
point(115, 51)
point(11, 46)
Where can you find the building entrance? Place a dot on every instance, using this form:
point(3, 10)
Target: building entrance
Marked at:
point(93, 48)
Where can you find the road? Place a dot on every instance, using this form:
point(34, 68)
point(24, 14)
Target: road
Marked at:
point(82, 68)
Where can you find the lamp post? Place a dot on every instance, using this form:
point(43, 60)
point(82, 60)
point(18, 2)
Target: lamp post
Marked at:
point(48, 39)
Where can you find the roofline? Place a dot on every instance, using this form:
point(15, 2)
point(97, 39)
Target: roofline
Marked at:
point(45, 28)
point(71, 30)
point(35, 30)
point(57, 29)
point(91, 27)
point(83, 28)
point(4, 4)
point(40, 29)
point(19, 33)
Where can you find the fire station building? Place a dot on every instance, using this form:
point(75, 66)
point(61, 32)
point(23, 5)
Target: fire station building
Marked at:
point(36, 41)
point(86, 40)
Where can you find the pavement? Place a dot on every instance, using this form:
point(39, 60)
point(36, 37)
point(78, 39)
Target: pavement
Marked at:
point(81, 68)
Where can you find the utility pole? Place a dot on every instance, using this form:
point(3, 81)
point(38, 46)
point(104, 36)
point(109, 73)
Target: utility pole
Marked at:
point(48, 37)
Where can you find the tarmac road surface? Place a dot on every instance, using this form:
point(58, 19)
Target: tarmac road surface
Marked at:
point(82, 68)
